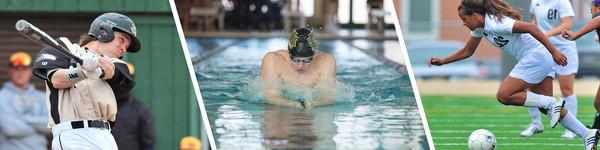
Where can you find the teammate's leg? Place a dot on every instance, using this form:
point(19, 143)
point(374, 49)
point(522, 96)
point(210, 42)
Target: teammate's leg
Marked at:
point(543, 88)
point(566, 83)
point(596, 124)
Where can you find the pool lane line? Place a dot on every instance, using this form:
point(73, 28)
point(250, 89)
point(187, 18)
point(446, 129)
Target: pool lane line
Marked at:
point(208, 53)
point(284, 34)
point(399, 67)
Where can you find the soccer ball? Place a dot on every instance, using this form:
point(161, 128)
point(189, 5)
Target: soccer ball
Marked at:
point(482, 139)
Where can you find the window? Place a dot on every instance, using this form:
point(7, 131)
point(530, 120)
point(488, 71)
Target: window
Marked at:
point(419, 18)
point(359, 11)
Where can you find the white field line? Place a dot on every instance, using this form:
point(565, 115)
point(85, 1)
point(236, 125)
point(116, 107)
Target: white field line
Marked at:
point(514, 144)
point(509, 138)
point(505, 115)
point(550, 131)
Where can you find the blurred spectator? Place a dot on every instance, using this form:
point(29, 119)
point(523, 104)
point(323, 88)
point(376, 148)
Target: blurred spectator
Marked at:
point(208, 14)
point(134, 127)
point(183, 9)
point(293, 16)
point(23, 113)
point(375, 15)
point(331, 9)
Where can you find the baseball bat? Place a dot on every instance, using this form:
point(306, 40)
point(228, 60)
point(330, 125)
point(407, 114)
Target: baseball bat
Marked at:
point(40, 37)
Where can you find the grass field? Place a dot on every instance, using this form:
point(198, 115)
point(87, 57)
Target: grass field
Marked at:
point(453, 118)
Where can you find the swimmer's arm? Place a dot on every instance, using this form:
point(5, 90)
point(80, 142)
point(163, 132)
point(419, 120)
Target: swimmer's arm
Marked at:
point(461, 54)
point(273, 97)
point(327, 88)
point(565, 24)
point(592, 25)
point(271, 88)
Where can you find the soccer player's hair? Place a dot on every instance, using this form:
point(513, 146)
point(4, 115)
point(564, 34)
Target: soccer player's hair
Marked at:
point(498, 8)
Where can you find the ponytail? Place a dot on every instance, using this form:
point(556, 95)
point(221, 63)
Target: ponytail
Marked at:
point(498, 8)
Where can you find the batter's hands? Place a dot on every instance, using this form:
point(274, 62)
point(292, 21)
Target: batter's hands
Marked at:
point(90, 60)
point(559, 58)
point(435, 61)
point(107, 66)
point(95, 74)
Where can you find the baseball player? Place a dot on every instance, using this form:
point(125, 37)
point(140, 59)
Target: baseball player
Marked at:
point(81, 97)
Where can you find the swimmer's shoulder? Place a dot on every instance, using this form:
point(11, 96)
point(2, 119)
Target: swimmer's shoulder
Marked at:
point(326, 57)
point(279, 54)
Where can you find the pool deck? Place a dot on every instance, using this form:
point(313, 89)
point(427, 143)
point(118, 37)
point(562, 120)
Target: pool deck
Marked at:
point(473, 87)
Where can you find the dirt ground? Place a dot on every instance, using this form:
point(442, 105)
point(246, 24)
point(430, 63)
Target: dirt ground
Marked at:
point(583, 87)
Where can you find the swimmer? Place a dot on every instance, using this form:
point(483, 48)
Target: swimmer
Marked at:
point(300, 66)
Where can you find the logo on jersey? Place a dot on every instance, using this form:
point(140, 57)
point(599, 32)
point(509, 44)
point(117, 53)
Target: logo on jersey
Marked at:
point(552, 14)
point(500, 41)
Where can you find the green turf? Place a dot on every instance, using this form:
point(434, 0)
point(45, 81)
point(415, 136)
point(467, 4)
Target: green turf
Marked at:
point(452, 119)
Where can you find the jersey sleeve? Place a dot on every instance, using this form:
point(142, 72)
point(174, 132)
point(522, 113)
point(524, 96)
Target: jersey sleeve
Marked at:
point(122, 82)
point(565, 9)
point(504, 26)
point(477, 32)
point(49, 59)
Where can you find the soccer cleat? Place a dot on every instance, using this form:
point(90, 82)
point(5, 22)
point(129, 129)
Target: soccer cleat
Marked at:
point(568, 135)
point(591, 139)
point(555, 110)
point(532, 129)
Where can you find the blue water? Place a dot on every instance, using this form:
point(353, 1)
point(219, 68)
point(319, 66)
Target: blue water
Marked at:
point(379, 111)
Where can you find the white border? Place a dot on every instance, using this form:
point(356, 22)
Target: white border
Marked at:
point(412, 80)
point(190, 66)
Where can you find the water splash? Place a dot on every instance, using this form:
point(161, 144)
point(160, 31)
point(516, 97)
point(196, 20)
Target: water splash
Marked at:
point(254, 91)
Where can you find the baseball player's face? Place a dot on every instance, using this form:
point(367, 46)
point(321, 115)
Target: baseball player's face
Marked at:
point(117, 47)
point(20, 76)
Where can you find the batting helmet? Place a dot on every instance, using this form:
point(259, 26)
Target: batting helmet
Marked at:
point(111, 22)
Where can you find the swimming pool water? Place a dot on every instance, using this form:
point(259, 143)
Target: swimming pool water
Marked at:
point(383, 113)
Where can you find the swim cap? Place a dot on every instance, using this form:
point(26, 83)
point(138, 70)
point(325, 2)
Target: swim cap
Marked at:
point(302, 43)
point(596, 2)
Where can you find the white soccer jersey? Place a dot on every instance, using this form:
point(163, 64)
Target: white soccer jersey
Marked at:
point(499, 34)
point(548, 14)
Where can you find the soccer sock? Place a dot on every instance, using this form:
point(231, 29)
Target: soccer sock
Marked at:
point(571, 104)
point(538, 101)
point(536, 115)
point(574, 125)
point(596, 124)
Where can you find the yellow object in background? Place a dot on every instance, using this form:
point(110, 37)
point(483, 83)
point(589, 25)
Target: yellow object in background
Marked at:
point(19, 59)
point(190, 143)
